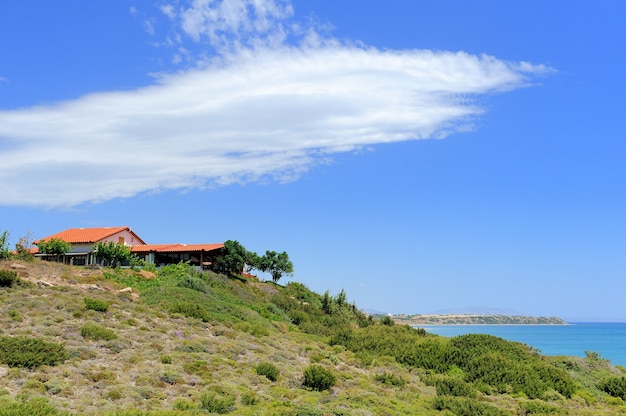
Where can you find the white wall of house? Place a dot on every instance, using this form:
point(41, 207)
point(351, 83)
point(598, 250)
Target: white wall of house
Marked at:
point(124, 237)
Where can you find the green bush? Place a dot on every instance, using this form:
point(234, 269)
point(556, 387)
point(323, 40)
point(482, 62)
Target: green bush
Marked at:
point(216, 403)
point(96, 305)
point(193, 283)
point(449, 386)
point(190, 310)
point(34, 407)
point(537, 407)
point(318, 378)
point(387, 320)
point(95, 332)
point(7, 278)
point(463, 406)
point(268, 370)
point(390, 379)
point(30, 352)
point(614, 386)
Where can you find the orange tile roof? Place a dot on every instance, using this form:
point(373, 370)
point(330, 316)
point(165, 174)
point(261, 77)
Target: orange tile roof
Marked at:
point(90, 235)
point(173, 248)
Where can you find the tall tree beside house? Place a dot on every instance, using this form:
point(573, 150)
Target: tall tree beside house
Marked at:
point(276, 264)
point(232, 259)
point(54, 246)
point(112, 253)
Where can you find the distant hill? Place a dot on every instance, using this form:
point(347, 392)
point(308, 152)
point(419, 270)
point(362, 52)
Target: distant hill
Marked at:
point(476, 319)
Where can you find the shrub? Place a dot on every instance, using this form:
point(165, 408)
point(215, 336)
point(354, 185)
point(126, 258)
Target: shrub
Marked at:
point(537, 407)
point(95, 332)
point(614, 386)
point(448, 386)
point(463, 406)
point(34, 407)
point(387, 320)
point(30, 352)
point(8, 278)
point(268, 370)
point(194, 283)
point(249, 399)
point(390, 379)
point(96, 305)
point(256, 330)
point(215, 403)
point(190, 310)
point(15, 315)
point(318, 378)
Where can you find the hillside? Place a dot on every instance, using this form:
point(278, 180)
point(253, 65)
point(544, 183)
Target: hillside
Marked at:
point(78, 341)
point(476, 319)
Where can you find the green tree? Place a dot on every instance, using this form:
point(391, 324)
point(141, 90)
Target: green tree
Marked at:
point(232, 260)
point(54, 246)
point(5, 252)
point(253, 262)
point(113, 253)
point(276, 264)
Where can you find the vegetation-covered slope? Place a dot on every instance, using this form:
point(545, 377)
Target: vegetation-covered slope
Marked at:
point(79, 341)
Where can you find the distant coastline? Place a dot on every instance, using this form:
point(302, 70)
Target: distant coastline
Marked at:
point(476, 319)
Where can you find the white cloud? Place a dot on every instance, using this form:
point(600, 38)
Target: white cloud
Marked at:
point(268, 111)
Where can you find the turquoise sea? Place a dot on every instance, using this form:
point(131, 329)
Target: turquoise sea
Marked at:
point(607, 339)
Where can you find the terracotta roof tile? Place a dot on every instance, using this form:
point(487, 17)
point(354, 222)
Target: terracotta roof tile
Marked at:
point(89, 235)
point(171, 248)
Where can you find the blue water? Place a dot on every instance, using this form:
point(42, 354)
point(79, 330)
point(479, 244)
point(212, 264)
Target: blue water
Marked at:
point(607, 339)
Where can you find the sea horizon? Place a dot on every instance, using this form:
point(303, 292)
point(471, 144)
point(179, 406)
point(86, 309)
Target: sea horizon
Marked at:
point(608, 339)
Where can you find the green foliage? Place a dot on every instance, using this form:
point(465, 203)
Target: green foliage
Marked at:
point(194, 283)
point(190, 310)
point(276, 264)
point(15, 315)
point(254, 329)
point(327, 303)
point(232, 258)
point(176, 272)
point(214, 402)
point(22, 248)
point(537, 407)
point(95, 332)
point(54, 246)
point(318, 378)
point(5, 251)
point(35, 407)
point(450, 386)
point(8, 278)
point(390, 379)
point(463, 406)
point(30, 352)
point(96, 305)
point(387, 320)
point(614, 386)
point(505, 366)
point(268, 370)
point(112, 253)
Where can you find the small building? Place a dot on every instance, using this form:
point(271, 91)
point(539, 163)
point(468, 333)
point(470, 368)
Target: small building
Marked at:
point(83, 241)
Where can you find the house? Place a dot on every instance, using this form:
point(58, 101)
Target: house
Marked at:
point(84, 239)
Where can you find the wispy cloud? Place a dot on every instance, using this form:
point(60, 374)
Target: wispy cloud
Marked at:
point(257, 112)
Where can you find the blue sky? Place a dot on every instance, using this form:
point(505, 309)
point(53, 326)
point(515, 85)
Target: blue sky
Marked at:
point(421, 155)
